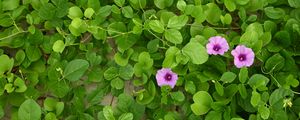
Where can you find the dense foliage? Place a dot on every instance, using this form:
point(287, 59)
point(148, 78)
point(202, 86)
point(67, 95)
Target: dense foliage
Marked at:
point(98, 59)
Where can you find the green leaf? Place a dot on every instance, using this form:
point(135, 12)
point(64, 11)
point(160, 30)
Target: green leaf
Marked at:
point(1, 112)
point(228, 77)
point(190, 87)
point(127, 12)
point(50, 104)
point(178, 96)
point(170, 58)
point(212, 13)
point(126, 41)
point(126, 116)
point(75, 12)
point(50, 116)
point(279, 95)
point(144, 64)
point(20, 57)
point(117, 83)
point(243, 91)
point(59, 108)
point(147, 96)
point(219, 88)
point(213, 115)
point(274, 63)
point(93, 58)
point(181, 4)
point(108, 113)
point(119, 3)
point(122, 59)
point(249, 38)
point(174, 36)
point(58, 46)
point(294, 3)
point(138, 4)
point(230, 5)
point(202, 103)
point(227, 19)
point(177, 22)
point(75, 69)
point(157, 26)
point(5, 20)
point(264, 112)
point(243, 75)
point(89, 12)
point(77, 23)
point(9, 87)
point(20, 85)
point(258, 80)
point(33, 53)
point(242, 2)
point(126, 72)
point(161, 4)
point(196, 52)
point(283, 38)
point(10, 4)
point(111, 73)
point(274, 13)
point(6, 64)
point(47, 11)
point(198, 14)
point(95, 4)
point(255, 98)
point(29, 110)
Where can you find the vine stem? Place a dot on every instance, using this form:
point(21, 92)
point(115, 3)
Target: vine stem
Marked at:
point(12, 35)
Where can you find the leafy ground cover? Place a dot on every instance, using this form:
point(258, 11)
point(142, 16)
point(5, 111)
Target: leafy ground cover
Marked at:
point(149, 59)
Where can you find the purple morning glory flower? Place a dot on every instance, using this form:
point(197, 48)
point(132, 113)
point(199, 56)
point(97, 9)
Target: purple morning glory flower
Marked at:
point(217, 45)
point(243, 56)
point(165, 76)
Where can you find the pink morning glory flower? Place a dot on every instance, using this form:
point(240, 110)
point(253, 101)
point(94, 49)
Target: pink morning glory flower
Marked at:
point(165, 76)
point(217, 45)
point(243, 56)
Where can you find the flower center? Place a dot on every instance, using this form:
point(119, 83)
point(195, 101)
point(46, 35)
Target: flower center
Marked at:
point(216, 47)
point(168, 77)
point(242, 57)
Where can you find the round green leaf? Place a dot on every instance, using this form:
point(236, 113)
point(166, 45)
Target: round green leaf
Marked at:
point(174, 36)
point(117, 83)
point(170, 58)
point(29, 110)
point(264, 112)
point(202, 103)
point(6, 64)
point(177, 22)
point(127, 12)
point(219, 88)
point(75, 69)
point(58, 46)
point(274, 13)
point(75, 12)
point(126, 116)
point(230, 5)
point(212, 13)
point(228, 77)
point(33, 53)
point(243, 75)
point(255, 98)
point(181, 4)
point(178, 96)
point(196, 52)
point(89, 12)
point(161, 4)
point(156, 26)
